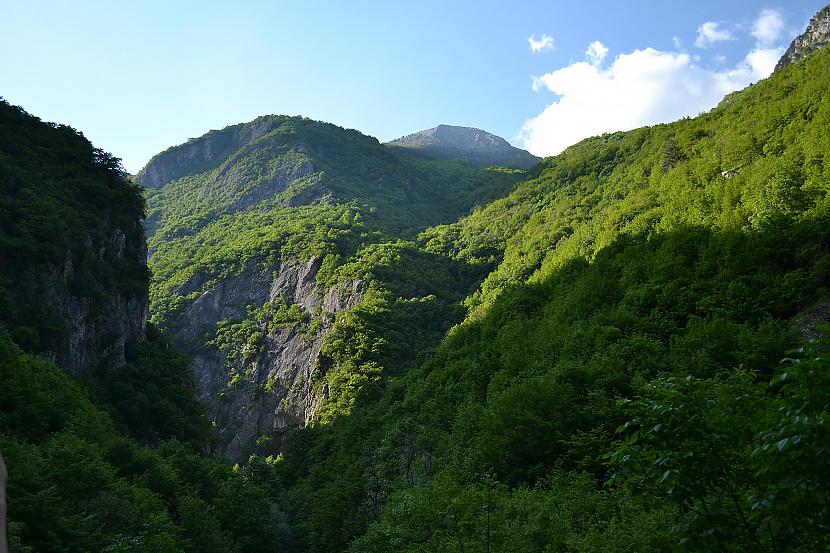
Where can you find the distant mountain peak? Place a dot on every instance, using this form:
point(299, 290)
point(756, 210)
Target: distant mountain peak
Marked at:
point(464, 137)
point(476, 145)
point(815, 37)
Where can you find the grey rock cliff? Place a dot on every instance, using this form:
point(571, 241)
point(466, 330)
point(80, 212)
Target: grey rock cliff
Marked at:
point(123, 319)
point(468, 143)
point(277, 390)
point(96, 334)
point(814, 38)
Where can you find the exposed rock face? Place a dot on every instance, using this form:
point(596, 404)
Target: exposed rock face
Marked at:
point(275, 391)
point(808, 322)
point(266, 167)
point(468, 143)
point(200, 154)
point(277, 183)
point(815, 37)
point(97, 333)
point(73, 255)
point(100, 336)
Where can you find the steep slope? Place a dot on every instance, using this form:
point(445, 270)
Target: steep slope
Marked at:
point(107, 461)
point(293, 161)
point(814, 38)
point(616, 385)
point(258, 249)
point(476, 145)
point(73, 276)
point(203, 153)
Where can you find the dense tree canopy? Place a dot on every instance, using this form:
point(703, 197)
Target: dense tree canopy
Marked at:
point(624, 353)
point(61, 200)
point(644, 281)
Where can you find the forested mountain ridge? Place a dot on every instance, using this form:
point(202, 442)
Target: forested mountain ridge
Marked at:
point(734, 166)
point(266, 233)
point(277, 161)
point(199, 154)
point(618, 383)
point(71, 232)
point(113, 459)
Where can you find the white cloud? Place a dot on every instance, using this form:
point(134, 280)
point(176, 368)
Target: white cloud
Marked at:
point(596, 52)
point(643, 87)
point(677, 43)
point(711, 32)
point(762, 60)
point(544, 43)
point(768, 27)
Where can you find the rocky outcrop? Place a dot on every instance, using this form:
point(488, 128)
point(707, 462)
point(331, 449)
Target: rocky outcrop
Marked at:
point(99, 334)
point(476, 145)
point(263, 397)
point(230, 181)
point(203, 153)
point(808, 323)
point(97, 326)
point(815, 37)
point(73, 256)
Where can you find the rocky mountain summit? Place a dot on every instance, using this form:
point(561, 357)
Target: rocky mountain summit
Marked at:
point(476, 145)
point(816, 36)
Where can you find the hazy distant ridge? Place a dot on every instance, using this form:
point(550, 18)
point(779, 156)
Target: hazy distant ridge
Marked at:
point(448, 141)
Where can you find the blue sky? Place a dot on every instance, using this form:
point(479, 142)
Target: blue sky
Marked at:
point(137, 77)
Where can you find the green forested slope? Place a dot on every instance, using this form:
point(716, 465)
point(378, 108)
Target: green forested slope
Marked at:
point(78, 483)
point(61, 200)
point(116, 460)
point(304, 190)
point(757, 157)
point(298, 161)
point(642, 365)
point(617, 385)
